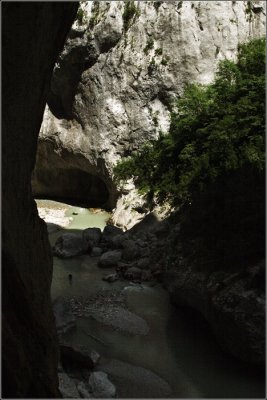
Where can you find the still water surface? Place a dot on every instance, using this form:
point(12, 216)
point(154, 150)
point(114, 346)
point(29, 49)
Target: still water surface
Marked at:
point(179, 346)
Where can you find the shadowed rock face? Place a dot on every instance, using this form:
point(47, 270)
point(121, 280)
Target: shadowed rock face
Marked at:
point(68, 175)
point(33, 35)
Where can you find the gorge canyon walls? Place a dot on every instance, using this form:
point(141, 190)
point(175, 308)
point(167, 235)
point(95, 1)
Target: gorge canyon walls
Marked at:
point(33, 35)
point(114, 83)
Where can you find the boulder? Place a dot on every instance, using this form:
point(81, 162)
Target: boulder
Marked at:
point(110, 259)
point(122, 267)
point(100, 386)
point(69, 245)
point(67, 387)
point(117, 241)
point(109, 232)
point(96, 252)
point(92, 236)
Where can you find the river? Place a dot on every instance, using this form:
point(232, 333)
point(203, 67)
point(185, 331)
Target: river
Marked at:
point(179, 346)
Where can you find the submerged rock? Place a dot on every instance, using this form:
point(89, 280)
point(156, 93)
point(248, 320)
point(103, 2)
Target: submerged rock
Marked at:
point(100, 386)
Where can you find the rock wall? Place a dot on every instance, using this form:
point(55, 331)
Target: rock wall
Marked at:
point(33, 36)
point(120, 69)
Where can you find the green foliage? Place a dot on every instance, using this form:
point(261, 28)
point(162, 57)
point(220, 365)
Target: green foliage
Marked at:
point(149, 45)
point(80, 16)
point(130, 11)
point(155, 120)
point(218, 129)
point(157, 4)
point(180, 5)
point(158, 51)
point(151, 67)
point(95, 15)
point(165, 61)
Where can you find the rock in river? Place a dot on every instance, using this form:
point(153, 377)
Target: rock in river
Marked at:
point(92, 236)
point(70, 245)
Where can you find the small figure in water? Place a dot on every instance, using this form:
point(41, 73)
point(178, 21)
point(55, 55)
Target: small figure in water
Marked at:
point(70, 278)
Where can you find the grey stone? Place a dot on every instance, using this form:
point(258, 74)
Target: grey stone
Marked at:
point(69, 245)
point(110, 259)
point(109, 234)
point(83, 390)
point(67, 387)
point(96, 252)
point(92, 236)
point(118, 240)
point(100, 386)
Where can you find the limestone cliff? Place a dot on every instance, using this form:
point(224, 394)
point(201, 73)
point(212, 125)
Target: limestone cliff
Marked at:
point(33, 36)
point(114, 82)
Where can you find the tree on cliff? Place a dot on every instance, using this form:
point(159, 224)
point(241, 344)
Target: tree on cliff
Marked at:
point(213, 158)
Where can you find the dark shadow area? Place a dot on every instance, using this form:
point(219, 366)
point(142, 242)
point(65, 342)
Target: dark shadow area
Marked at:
point(83, 203)
point(225, 224)
point(80, 55)
point(74, 185)
point(201, 355)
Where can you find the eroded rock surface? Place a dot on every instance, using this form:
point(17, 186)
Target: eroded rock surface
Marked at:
point(114, 83)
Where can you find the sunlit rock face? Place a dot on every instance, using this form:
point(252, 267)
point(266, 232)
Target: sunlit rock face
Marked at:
point(115, 80)
point(33, 36)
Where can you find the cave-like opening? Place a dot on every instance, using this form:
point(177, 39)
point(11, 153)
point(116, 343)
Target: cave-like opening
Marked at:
point(73, 185)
